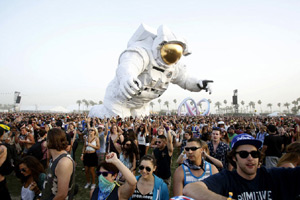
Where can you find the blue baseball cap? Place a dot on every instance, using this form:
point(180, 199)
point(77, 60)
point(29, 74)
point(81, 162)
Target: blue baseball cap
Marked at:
point(245, 138)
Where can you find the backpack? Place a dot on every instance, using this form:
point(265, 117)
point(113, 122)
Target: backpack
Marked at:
point(36, 150)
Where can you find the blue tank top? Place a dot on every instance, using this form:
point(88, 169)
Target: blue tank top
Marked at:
point(189, 177)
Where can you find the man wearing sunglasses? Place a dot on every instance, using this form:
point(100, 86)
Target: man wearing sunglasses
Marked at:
point(193, 169)
point(248, 181)
point(163, 154)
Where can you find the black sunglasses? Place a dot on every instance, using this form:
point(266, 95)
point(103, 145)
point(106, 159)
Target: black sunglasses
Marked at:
point(91, 130)
point(23, 170)
point(158, 142)
point(148, 169)
point(245, 154)
point(105, 174)
point(191, 148)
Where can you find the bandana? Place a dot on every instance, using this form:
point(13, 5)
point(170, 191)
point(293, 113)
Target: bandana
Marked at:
point(191, 165)
point(105, 188)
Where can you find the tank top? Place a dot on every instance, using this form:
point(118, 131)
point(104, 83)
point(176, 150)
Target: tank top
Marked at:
point(50, 185)
point(89, 148)
point(6, 167)
point(125, 161)
point(26, 193)
point(189, 177)
point(141, 138)
point(138, 196)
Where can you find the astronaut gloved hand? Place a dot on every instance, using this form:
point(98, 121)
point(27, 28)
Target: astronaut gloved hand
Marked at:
point(130, 86)
point(205, 85)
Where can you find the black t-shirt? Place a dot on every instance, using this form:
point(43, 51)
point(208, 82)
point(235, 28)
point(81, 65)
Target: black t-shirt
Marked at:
point(163, 161)
point(274, 143)
point(275, 183)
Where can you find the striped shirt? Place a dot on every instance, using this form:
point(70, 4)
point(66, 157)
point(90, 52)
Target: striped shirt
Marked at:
point(189, 177)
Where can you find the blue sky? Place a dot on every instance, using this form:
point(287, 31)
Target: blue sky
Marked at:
point(56, 52)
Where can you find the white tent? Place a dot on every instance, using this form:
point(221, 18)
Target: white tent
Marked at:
point(59, 109)
point(276, 114)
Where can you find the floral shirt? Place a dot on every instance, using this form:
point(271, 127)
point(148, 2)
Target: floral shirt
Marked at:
point(220, 154)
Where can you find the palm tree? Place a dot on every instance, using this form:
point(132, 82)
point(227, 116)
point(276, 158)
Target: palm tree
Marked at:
point(243, 103)
point(279, 104)
point(270, 105)
point(167, 104)
point(252, 105)
point(92, 103)
point(218, 104)
point(295, 103)
point(152, 104)
point(159, 101)
point(259, 103)
point(86, 103)
point(175, 101)
point(225, 102)
point(298, 99)
point(78, 102)
point(100, 102)
point(294, 110)
point(287, 105)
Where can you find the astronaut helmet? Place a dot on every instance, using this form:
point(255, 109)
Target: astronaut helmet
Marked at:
point(167, 48)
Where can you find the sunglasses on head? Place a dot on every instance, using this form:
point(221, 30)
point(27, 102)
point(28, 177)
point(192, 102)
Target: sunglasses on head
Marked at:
point(245, 154)
point(23, 170)
point(191, 148)
point(105, 174)
point(148, 169)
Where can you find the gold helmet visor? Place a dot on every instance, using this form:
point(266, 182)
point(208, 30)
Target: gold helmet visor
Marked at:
point(171, 53)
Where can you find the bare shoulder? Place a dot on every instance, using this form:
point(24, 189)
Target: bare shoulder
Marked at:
point(179, 172)
point(3, 150)
point(214, 169)
point(65, 164)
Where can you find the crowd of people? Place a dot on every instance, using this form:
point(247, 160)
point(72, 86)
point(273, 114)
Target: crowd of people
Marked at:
point(219, 156)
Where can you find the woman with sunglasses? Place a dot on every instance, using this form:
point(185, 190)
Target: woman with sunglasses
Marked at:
point(115, 139)
point(142, 134)
point(149, 186)
point(108, 188)
point(128, 156)
point(32, 177)
point(89, 156)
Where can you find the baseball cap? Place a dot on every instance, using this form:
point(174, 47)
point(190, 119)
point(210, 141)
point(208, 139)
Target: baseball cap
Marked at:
point(245, 138)
point(221, 122)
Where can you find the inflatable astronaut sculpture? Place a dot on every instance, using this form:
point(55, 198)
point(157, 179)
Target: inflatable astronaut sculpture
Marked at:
point(145, 70)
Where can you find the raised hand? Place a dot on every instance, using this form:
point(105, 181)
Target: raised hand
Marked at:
point(111, 157)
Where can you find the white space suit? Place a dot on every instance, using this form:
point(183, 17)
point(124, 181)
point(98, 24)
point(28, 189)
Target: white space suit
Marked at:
point(145, 70)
